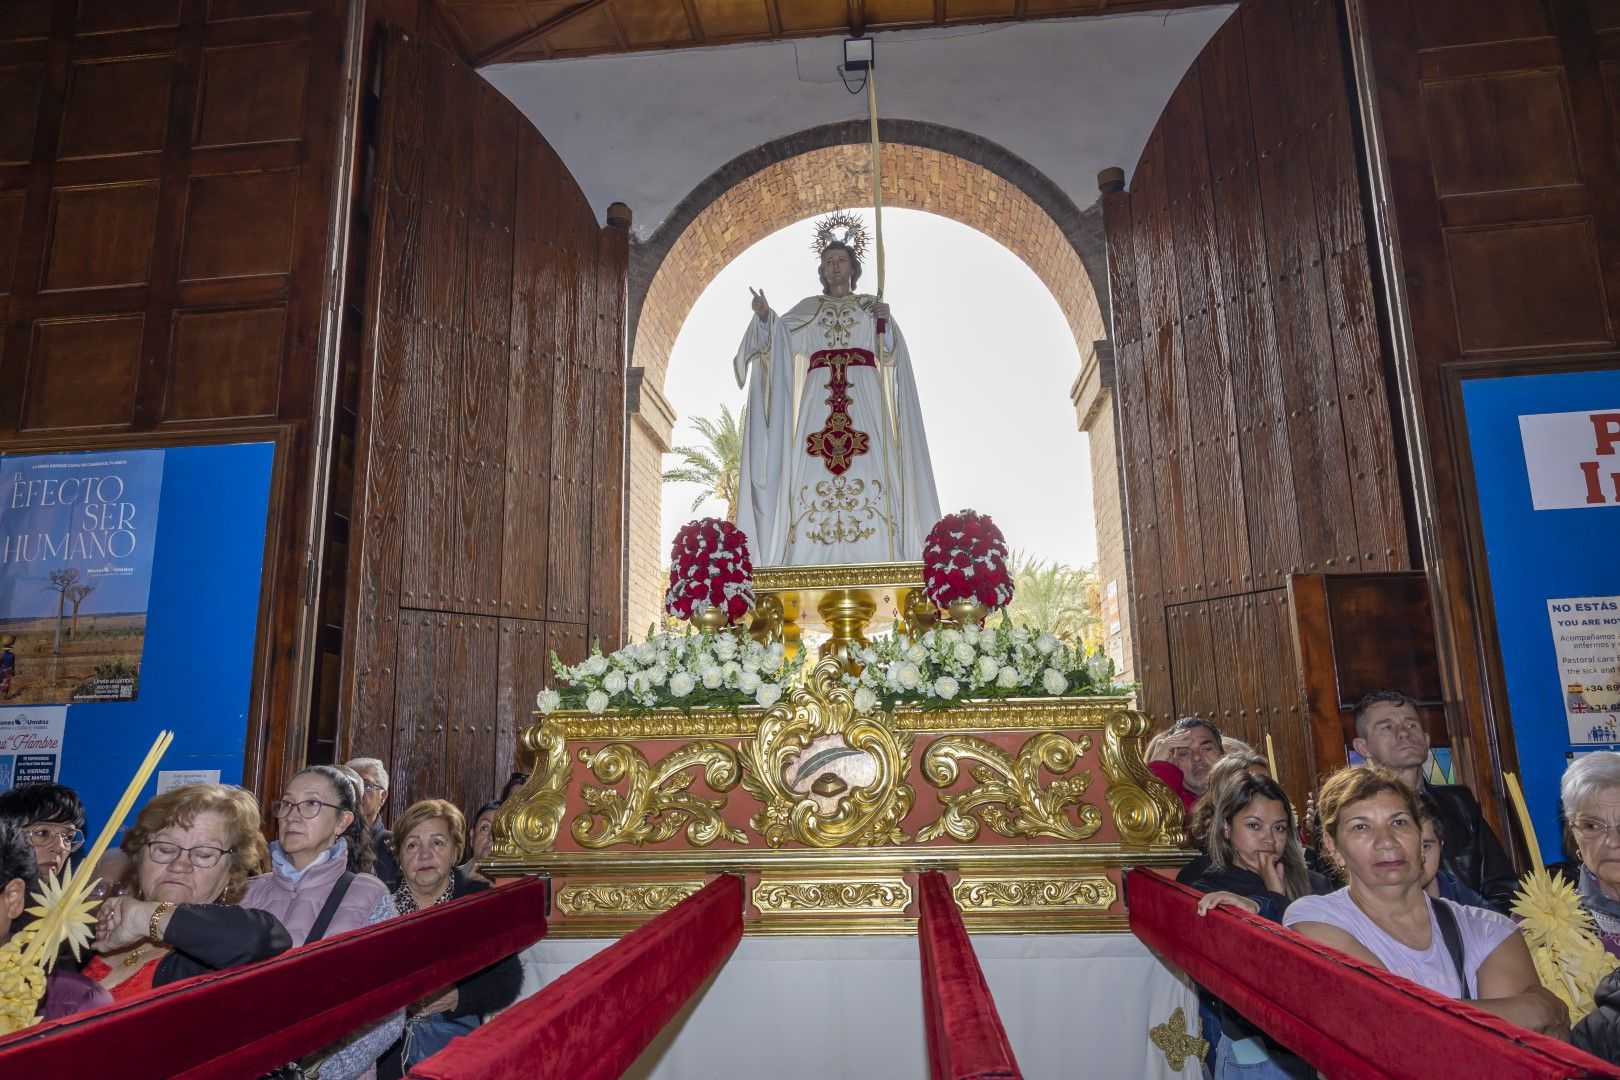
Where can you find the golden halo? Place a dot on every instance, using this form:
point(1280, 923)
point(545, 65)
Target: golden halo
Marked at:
point(846, 227)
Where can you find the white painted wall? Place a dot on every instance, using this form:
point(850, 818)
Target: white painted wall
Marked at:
point(1070, 96)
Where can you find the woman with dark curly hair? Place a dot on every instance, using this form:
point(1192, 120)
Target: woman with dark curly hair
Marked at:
point(193, 849)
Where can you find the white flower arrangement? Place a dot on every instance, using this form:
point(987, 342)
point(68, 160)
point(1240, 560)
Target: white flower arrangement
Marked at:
point(688, 669)
point(949, 664)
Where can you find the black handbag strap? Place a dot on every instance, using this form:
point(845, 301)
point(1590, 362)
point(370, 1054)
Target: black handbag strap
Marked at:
point(1452, 935)
point(329, 909)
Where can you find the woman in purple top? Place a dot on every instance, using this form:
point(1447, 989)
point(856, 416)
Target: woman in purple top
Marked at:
point(1370, 832)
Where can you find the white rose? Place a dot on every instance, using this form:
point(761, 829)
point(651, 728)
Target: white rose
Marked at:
point(657, 675)
point(985, 669)
point(768, 694)
point(1046, 644)
point(865, 700)
point(748, 682)
point(946, 687)
point(730, 671)
point(596, 701)
point(971, 634)
point(907, 676)
point(711, 677)
point(725, 647)
point(1053, 682)
point(947, 639)
point(613, 682)
point(917, 654)
point(964, 652)
point(596, 665)
point(680, 684)
point(1007, 678)
point(548, 701)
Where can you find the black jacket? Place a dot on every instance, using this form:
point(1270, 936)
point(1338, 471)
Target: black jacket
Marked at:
point(1599, 1032)
point(387, 868)
point(1471, 850)
point(208, 937)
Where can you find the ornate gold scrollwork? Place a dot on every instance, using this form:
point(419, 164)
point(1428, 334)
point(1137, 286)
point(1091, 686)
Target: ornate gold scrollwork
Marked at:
point(1008, 796)
point(608, 898)
point(656, 801)
point(975, 894)
point(1145, 810)
point(867, 813)
point(833, 896)
point(527, 823)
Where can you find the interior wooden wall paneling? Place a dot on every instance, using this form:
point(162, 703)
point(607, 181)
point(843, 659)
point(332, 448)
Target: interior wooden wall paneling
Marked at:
point(490, 437)
point(169, 184)
point(1254, 418)
point(1494, 130)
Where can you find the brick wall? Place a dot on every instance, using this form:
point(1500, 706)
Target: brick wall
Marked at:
point(1094, 406)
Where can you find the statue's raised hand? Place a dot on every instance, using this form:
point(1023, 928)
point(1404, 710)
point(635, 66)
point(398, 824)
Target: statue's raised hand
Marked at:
point(761, 308)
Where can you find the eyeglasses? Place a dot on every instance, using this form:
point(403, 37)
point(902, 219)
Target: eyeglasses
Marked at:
point(372, 785)
point(42, 837)
point(1588, 830)
point(202, 856)
point(307, 808)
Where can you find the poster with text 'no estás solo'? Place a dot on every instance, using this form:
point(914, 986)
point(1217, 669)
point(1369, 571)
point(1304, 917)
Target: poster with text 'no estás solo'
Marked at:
point(76, 541)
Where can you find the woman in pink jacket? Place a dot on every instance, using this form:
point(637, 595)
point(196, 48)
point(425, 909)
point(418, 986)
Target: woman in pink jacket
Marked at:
point(321, 885)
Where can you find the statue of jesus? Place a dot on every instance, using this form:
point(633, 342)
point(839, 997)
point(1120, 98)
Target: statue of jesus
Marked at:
point(835, 465)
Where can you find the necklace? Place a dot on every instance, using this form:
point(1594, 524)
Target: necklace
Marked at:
point(135, 956)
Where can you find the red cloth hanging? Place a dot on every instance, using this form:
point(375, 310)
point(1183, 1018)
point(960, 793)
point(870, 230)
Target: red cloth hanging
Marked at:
point(592, 1023)
point(966, 1040)
point(1348, 1019)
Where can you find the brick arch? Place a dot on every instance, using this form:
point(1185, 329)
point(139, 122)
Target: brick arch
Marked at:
point(925, 167)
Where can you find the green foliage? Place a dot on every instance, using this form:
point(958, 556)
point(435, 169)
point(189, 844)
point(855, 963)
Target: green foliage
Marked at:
point(1058, 598)
point(717, 464)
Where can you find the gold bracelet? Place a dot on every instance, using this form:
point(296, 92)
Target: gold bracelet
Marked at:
point(152, 934)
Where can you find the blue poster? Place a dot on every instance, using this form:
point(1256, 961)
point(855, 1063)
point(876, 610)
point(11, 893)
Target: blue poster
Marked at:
point(77, 536)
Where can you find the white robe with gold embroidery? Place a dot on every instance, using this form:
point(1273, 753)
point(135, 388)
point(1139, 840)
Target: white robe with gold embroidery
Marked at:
point(830, 477)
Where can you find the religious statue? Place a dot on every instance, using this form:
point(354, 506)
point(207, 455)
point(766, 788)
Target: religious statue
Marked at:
point(835, 465)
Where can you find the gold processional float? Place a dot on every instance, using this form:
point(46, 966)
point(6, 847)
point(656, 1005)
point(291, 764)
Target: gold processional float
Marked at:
point(829, 801)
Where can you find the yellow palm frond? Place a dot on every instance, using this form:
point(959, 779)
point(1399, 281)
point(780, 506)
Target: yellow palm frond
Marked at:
point(64, 913)
point(1564, 943)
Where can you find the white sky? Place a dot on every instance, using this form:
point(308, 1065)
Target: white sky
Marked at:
point(993, 356)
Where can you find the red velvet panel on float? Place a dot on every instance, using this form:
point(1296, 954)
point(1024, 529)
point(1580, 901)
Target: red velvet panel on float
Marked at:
point(966, 1040)
point(249, 1020)
point(592, 1023)
point(1348, 1019)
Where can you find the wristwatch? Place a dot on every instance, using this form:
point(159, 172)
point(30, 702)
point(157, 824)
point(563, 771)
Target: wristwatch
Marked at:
point(152, 933)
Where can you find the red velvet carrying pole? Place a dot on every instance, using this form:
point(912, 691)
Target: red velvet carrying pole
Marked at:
point(249, 1020)
point(1348, 1019)
point(965, 1038)
point(592, 1023)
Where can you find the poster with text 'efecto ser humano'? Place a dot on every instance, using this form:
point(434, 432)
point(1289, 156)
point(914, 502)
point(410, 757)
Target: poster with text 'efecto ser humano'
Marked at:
point(76, 542)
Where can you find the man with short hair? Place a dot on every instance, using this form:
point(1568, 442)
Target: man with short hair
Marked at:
point(374, 793)
point(1183, 755)
point(1390, 733)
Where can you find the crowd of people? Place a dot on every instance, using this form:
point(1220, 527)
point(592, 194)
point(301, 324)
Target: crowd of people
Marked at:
point(193, 887)
point(1404, 874)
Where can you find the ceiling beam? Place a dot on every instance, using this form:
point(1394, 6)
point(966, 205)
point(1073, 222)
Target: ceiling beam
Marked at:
point(857, 17)
point(774, 15)
point(514, 45)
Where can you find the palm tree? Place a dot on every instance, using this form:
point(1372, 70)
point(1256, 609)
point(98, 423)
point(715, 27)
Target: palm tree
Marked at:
point(716, 465)
point(1055, 597)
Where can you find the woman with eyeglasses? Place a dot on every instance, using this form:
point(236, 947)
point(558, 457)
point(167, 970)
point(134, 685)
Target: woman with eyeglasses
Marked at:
point(193, 848)
point(320, 884)
point(51, 819)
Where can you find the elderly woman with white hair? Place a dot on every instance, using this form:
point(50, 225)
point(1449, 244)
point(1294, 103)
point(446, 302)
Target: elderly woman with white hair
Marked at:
point(1590, 793)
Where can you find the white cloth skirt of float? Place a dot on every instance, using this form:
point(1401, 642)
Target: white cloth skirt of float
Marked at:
point(818, 1008)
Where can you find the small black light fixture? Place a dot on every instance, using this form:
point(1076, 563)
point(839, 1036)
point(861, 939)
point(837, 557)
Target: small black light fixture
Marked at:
point(860, 57)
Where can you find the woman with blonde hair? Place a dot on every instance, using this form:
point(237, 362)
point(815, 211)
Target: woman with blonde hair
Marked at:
point(1371, 831)
point(193, 850)
point(429, 841)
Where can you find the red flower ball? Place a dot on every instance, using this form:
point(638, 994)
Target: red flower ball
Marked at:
point(965, 558)
point(709, 567)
